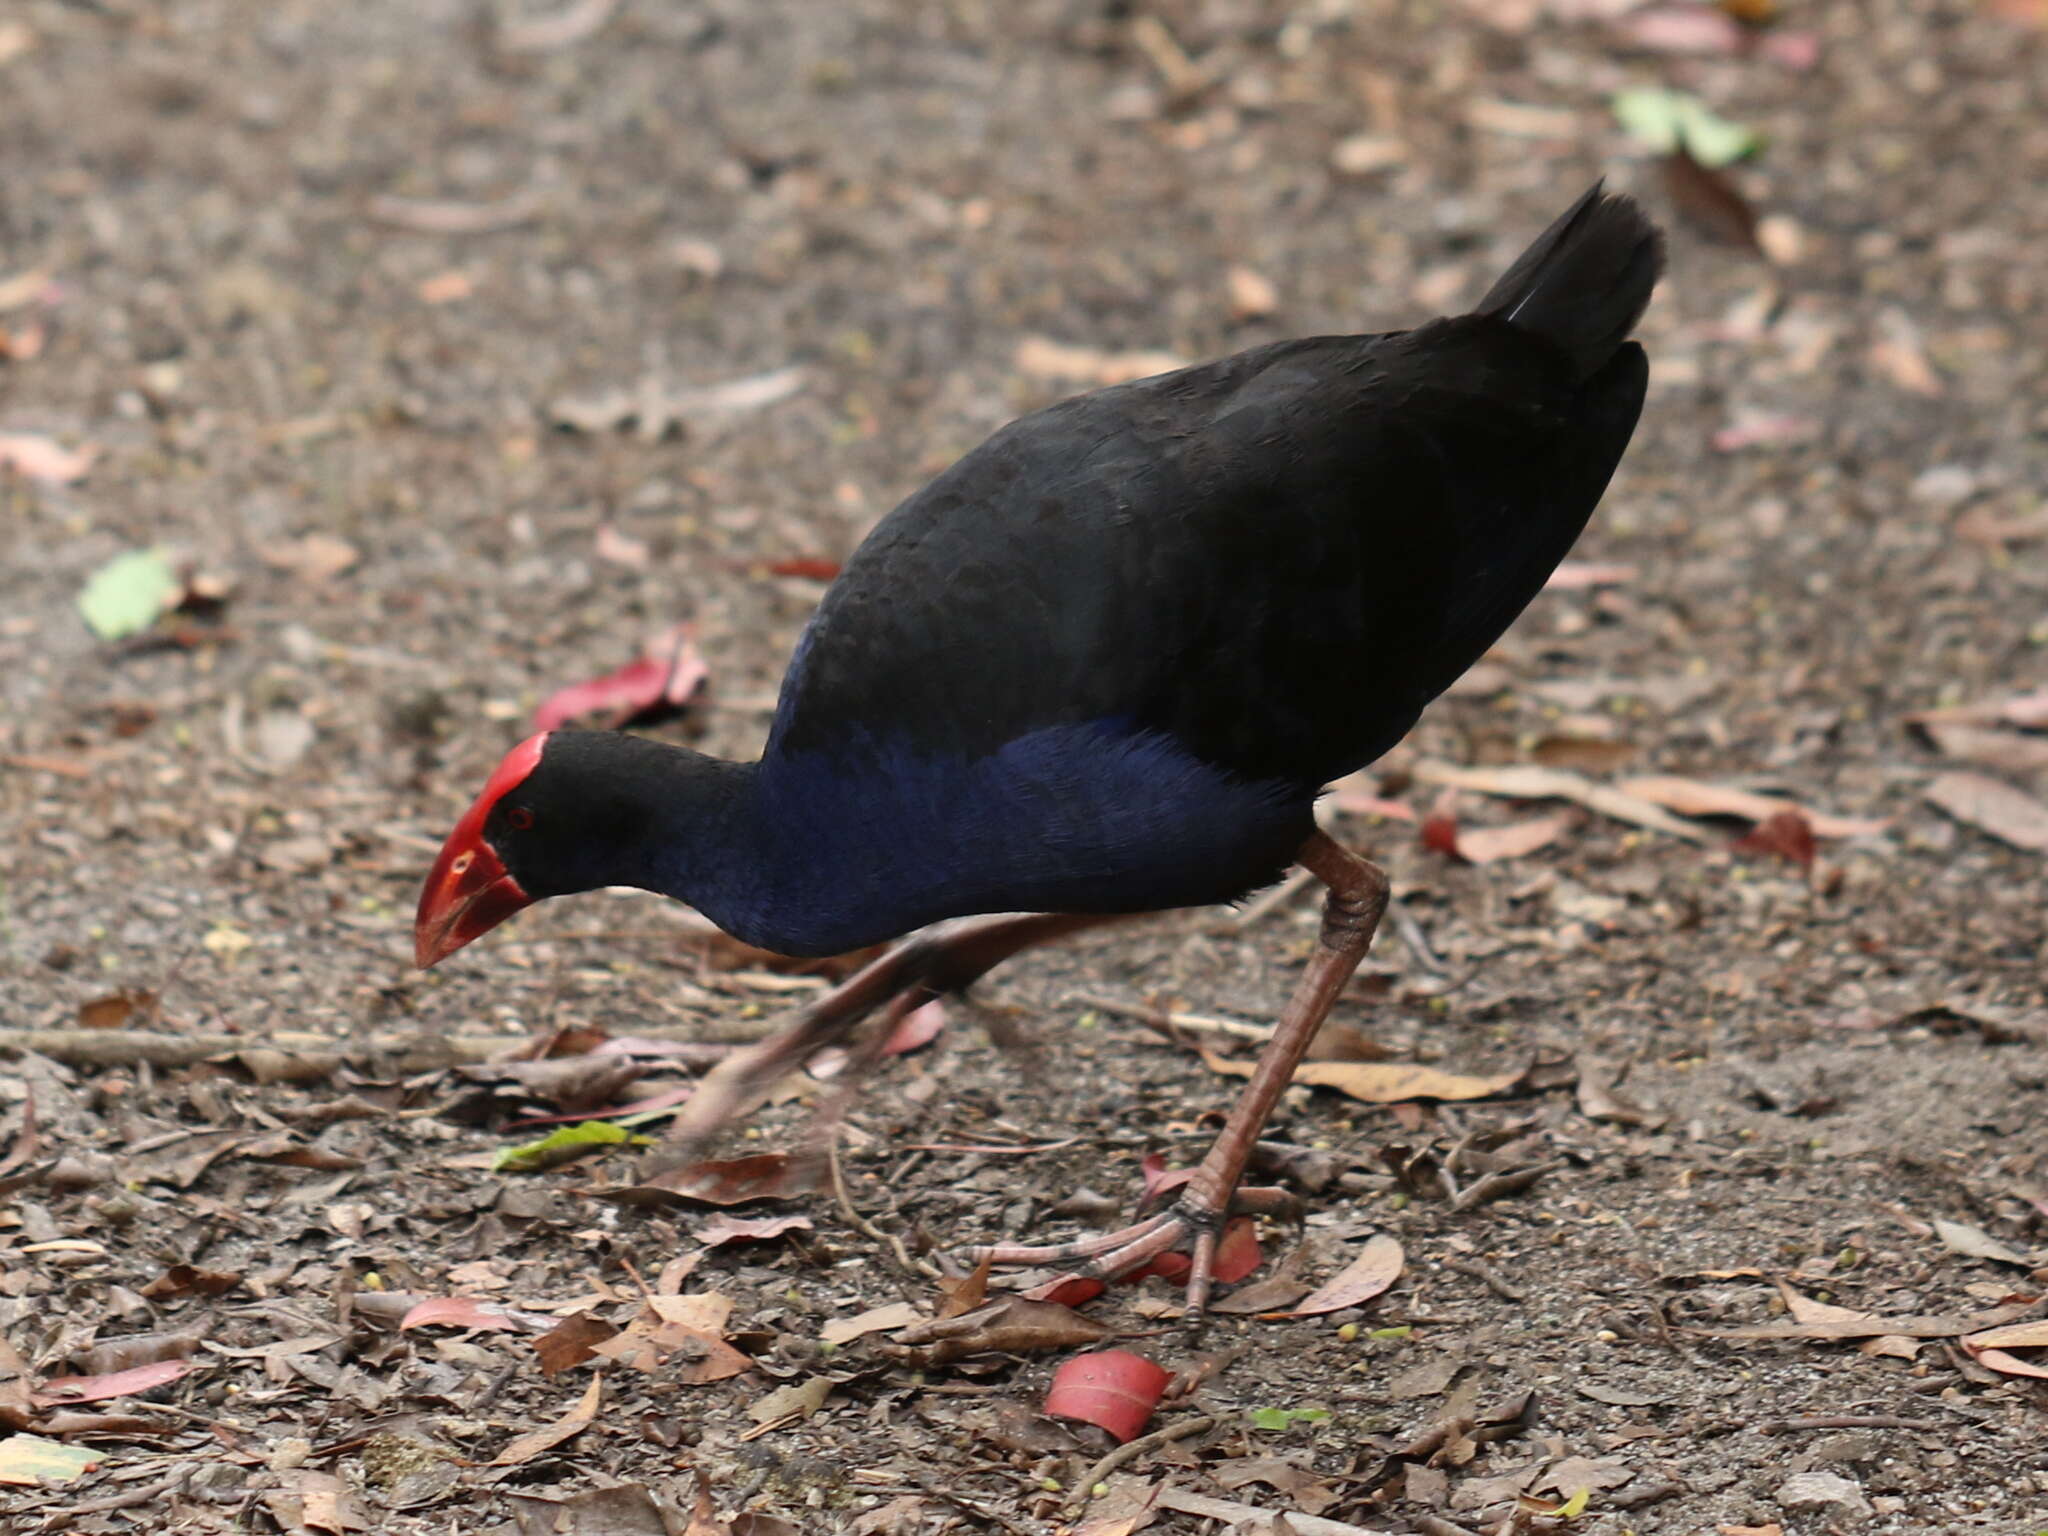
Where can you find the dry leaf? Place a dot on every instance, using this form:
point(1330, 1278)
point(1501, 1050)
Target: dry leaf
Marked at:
point(1787, 834)
point(1708, 197)
point(469, 1312)
point(1693, 797)
point(721, 1230)
point(1012, 1325)
point(1252, 296)
point(41, 458)
point(96, 1389)
point(1973, 1243)
point(1376, 1268)
point(1383, 1082)
point(964, 1294)
point(1040, 357)
point(1993, 806)
point(572, 1341)
point(765, 1176)
point(571, 1424)
point(798, 1400)
point(1527, 781)
point(844, 1330)
point(1487, 845)
point(2006, 751)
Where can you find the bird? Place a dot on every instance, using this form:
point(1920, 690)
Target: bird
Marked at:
point(1104, 665)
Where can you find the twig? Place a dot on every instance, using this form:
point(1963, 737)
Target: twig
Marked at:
point(1144, 1445)
point(1846, 1421)
point(1271, 901)
point(1224, 1509)
point(415, 1052)
point(1414, 938)
point(1487, 1278)
point(867, 1228)
point(1160, 1021)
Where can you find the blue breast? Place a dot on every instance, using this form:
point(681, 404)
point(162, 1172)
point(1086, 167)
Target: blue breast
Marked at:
point(876, 838)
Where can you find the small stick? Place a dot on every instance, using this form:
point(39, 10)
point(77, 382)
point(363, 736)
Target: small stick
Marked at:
point(1487, 1278)
point(1846, 1421)
point(1124, 1454)
point(1271, 901)
point(1163, 1022)
point(867, 1228)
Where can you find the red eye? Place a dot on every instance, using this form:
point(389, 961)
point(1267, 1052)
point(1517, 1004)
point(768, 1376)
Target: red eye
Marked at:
point(520, 817)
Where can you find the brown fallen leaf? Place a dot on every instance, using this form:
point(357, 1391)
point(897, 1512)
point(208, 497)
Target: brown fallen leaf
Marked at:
point(1993, 806)
point(765, 1176)
point(2006, 1364)
point(1040, 357)
point(1529, 781)
point(1694, 797)
point(184, 1280)
point(1758, 429)
point(572, 1341)
point(1710, 200)
point(2007, 751)
point(964, 1294)
point(1583, 754)
point(1582, 575)
point(844, 1330)
point(2028, 711)
point(2032, 1335)
point(1009, 1325)
point(682, 1335)
point(1377, 1267)
point(1600, 1099)
point(796, 1400)
point(1974, 1243)
point(1488, 845)
point(1383, 1082)
point(430, 216)
point(1786, 834)
point(557, 29)
point(571, 1424)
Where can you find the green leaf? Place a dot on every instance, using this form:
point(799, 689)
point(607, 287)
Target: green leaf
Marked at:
point(1279, 1420)
point(564, 1144)
point(126, 594)
point(29, 1461)
point(1666, 120)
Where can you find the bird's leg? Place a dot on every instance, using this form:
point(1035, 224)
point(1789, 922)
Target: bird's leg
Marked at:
point(1357, 897)
point(944, 958)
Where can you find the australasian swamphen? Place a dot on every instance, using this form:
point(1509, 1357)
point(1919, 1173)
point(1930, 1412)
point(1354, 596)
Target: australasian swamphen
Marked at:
point(1105, 663)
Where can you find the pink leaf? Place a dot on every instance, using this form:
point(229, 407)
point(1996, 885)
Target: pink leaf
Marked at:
point(1377, 1267)
point(734, 1229)
point(1109, 1387)
point(467, 1312)
point(808, 567)
point(919, 1027)
point(655, 686)
point(93, 1389)
point(41, 458)
point(1577, 575)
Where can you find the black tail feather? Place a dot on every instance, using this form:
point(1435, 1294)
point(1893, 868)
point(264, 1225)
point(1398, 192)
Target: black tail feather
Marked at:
point(1586, 280)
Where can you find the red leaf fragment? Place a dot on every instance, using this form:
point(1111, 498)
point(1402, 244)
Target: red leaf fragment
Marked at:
point(916, 1029)
point(656, 686)
point(1788, 834)
point(464, 1312)
point(810, 567)
point(94, 1389)
point(1112, 1388)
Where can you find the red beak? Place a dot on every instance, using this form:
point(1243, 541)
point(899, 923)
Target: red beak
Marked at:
point(467, 895)
point(469, 891)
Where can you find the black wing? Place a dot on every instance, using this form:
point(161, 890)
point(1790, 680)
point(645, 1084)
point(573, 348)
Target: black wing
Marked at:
point(1277, 559)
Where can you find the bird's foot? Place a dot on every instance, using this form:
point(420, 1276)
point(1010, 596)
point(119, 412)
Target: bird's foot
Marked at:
point(1194, 1220)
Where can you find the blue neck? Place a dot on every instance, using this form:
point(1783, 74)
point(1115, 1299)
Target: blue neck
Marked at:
point(816, 853)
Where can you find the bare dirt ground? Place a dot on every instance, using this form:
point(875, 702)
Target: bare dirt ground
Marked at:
point(482, 312)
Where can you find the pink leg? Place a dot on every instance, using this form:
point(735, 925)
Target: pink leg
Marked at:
point(1357, 897)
